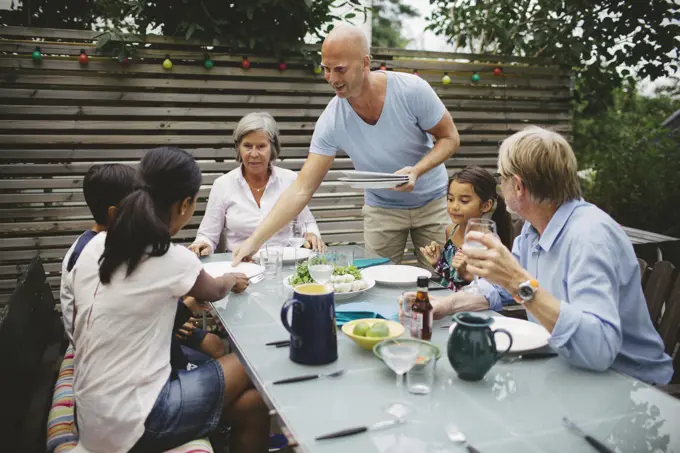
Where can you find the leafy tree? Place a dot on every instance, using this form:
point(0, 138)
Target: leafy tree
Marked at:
point(386, 27)
point(267, 26)
point(595, 37)
point(73, 14)
point(636, 161)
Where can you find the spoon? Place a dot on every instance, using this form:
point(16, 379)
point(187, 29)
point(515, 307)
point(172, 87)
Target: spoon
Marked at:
point(456, 435)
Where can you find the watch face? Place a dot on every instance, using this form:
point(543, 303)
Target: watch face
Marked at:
point(526, 292)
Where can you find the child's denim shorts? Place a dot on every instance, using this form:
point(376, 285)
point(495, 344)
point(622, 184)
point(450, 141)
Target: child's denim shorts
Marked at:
point(188, 408)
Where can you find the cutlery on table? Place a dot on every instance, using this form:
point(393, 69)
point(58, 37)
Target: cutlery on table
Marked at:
point(528, 356)
point(456, 435)
point(362, 429)
point(309, 377)
point(256, 278)
point(280, 343)
point(599, 446)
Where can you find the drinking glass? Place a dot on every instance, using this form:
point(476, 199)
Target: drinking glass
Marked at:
point(297, 234)
point(297, 238)
point(420, 378)
point(271, 258)
point(321, 267)
point(400, 357)
point(481, 226)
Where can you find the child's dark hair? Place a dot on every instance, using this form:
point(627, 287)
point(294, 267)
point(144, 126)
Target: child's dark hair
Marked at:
point(140, 227)
point(106, 185)
point(485, 186)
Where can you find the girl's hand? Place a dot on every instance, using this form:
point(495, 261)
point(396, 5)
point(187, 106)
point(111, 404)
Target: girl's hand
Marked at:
point(194, 305)
point(186, 330)
point(460, 264)
point(432, 252)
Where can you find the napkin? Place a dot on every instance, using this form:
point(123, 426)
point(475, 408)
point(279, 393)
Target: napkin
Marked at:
point(368, 262)
point(361, 310)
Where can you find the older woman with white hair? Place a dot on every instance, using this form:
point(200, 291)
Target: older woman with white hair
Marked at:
point(242, 198)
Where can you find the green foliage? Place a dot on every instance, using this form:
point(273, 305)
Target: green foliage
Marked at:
point(386, 28)
point(595, 37)
point(636, 160)
point(262, 26)
point(73, 14)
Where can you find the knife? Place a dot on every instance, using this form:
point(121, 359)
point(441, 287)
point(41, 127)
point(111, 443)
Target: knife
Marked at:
point(537, 355)
point(362, 429)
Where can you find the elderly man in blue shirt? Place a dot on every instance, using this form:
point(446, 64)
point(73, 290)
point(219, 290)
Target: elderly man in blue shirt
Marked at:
point(572, 266)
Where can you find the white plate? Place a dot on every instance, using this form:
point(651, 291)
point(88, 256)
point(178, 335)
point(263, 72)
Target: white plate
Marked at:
point(354, 174)
point(225, 267)
point(357, 184)
point(289, 254)
point(395, 274)
point(526, 335)
point(339, 296)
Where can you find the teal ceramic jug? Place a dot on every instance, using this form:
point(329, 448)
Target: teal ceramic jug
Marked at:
point(472, 346)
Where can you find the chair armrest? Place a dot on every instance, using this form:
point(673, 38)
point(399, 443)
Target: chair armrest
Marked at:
point(671, 389)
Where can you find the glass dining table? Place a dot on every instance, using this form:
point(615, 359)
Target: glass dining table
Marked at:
point(519, 406)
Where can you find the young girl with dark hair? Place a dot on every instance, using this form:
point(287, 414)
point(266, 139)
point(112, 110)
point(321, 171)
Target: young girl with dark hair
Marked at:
point(126, 283)
point(472, 194)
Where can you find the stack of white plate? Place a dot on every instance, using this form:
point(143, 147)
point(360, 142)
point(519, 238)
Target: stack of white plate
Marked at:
point(372, 180)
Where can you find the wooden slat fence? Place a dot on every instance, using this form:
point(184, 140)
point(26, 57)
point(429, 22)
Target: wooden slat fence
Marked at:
point(58, 117)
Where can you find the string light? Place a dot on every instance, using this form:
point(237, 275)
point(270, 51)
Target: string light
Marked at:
point(383, 67)
point(36, 55)
point(318, 69)
point(446, 79)
point(207, 62)
point(83, 59)
point(497, 71)
point(475, 77)
point(245, 63)
point(283, 66)
point(167, 63)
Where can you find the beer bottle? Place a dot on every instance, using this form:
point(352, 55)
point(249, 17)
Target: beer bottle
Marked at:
point(422, 312)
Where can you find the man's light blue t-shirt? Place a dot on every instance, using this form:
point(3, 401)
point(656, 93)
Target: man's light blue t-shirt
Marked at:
point(584, 259)
point(396, 141)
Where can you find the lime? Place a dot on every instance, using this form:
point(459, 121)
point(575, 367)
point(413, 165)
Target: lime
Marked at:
point(360, 329)
point(378, 330)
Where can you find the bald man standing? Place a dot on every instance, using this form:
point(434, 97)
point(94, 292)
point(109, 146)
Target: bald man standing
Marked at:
point(385, 122)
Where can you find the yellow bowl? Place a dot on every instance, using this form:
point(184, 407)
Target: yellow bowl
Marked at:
point(396, 330)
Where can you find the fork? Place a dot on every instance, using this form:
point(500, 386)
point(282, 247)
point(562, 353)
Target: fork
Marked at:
point(256, 279)
point(596, 444)
point(456, 435)
point(309, 377)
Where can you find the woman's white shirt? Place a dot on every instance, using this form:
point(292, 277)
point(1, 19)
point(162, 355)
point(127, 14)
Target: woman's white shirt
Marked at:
point(231, 204)
point(123, 331)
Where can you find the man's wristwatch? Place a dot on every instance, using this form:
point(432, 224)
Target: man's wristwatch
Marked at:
point(526, 291)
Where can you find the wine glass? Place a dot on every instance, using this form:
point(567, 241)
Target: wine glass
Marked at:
point(481, 226)
point(321, 267)
point(297, 238)
point(297, 234)
point(400, 357)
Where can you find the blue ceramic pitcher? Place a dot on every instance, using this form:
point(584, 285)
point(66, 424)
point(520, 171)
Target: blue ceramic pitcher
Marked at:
point(313, 333)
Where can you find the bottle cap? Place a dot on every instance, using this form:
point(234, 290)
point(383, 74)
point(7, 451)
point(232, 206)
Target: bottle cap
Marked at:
point(422, 282)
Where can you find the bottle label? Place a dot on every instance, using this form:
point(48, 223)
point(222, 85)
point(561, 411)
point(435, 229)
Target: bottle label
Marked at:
point(416, 324)
point(426, 330)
